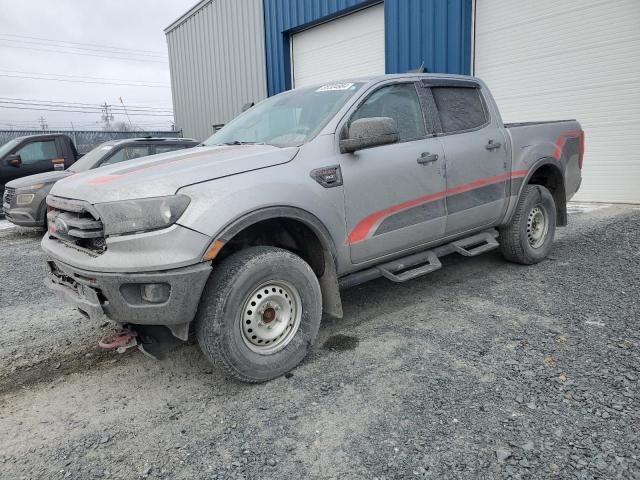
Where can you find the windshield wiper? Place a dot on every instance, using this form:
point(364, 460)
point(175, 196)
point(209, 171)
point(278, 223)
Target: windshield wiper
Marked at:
point(238, 142)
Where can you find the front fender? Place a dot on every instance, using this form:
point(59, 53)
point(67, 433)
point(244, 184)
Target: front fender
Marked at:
point(221, 207)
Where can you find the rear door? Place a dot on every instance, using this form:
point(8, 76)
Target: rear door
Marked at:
point(476, 155)
point(394, 193)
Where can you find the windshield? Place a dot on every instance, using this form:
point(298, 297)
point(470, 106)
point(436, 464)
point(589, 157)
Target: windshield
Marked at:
point(7, 147)
point(90, 160)
point(288, 119)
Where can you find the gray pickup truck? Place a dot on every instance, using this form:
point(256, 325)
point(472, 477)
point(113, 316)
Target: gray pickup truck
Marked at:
point(248, 239)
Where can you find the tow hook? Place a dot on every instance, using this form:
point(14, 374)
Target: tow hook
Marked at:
point(120, 341)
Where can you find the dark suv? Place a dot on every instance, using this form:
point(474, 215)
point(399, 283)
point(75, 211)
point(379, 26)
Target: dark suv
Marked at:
point(24, 198)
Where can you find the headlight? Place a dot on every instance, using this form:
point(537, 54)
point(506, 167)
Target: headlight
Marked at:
point(24, 198)
point(131, 216)
point(33, 187)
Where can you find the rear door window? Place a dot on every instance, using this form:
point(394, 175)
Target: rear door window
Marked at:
point(459, 108)
point(36, 151)
point(168, 148)
point(127, 153)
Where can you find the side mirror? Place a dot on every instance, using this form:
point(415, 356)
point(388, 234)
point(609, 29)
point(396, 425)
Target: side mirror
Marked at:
point(14, 160)
point(370, 132)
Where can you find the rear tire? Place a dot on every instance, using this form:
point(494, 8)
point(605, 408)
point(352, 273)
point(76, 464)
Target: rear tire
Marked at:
point(259, 313)
point(528, 237)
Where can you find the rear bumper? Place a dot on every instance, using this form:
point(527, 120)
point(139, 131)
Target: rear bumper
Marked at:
point(119, 296)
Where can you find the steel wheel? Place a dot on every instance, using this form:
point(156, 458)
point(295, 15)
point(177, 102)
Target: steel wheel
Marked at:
point(537, 227)
point(271, 316)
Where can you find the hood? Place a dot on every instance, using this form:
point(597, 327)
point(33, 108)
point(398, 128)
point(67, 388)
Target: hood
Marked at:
point(46, 178)
point(165, 174)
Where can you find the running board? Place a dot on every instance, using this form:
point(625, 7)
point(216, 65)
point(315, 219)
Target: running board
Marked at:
point(482, 242)
point(407, 268)
point(422, 263)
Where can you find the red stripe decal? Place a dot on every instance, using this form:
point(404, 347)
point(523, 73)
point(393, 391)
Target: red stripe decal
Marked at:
point(102, 179)
point(562, 137)
point(362, 229)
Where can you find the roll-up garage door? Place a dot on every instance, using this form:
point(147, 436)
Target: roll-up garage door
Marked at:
point(346, 47)
point(547, 60)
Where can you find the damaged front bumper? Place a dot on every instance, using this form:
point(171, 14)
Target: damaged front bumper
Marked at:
point(169, 298)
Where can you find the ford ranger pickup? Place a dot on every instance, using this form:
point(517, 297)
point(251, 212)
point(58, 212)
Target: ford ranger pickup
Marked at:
point(245, 241)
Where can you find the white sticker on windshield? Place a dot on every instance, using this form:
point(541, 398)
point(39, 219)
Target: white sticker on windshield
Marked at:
point(106, 147)
point(335, 86)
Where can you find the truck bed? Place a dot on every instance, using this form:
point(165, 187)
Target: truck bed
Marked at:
point(560, 140)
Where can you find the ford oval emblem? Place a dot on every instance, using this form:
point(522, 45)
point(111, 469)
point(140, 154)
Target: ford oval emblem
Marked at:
point(61, 226)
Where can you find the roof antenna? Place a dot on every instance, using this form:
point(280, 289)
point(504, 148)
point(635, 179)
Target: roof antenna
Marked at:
point(420, 69)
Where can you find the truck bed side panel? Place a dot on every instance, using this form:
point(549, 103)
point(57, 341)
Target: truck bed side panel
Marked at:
point(558, 143)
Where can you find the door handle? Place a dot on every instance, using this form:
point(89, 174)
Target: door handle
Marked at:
point(426, 157)
point(492, 145)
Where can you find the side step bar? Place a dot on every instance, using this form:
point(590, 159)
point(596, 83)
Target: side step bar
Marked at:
point(422, 263)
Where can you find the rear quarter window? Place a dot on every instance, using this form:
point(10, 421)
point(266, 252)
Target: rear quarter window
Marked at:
point(170, 148)
point(459, 108)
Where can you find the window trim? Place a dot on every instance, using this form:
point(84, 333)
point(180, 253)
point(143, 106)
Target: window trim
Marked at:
point(343, 128)
point(458, 84)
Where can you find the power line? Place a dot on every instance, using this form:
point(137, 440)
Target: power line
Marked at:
point(83, 106)
point(48, 44)
point(49, 103)
point(77, 43)
point(140, 107)
point(82, 77)
point(81, 111)
point(86, 54)
point(84, 81)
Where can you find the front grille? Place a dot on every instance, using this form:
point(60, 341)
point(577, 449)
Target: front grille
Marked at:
point(9, 195)
point(75, 222)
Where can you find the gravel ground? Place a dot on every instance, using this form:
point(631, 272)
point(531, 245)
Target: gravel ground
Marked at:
point(483, 369)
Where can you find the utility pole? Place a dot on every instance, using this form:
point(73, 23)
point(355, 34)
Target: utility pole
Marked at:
point(107, 116)
point(43, 124)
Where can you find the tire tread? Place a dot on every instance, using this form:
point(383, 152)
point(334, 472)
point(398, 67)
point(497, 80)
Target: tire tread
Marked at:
point(208, 323)
point(512, 243)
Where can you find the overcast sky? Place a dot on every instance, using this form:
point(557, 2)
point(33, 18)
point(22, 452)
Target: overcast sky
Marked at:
point(133, 27)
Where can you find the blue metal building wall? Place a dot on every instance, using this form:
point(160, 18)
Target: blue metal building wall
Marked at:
point(434, 32)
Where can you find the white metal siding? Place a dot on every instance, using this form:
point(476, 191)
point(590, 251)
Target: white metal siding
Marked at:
point(217, 63)
point(346, 47)
point(571, 59)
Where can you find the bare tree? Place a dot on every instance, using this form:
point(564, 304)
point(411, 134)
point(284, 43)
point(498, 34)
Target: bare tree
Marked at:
point(123, 127)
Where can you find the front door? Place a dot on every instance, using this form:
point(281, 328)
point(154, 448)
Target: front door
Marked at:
point(36, 156)
point(394, 193)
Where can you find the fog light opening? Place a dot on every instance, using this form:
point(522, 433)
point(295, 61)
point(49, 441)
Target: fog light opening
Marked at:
point(155, 292)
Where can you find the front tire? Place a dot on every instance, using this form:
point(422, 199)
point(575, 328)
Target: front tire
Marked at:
point(528, 237)
point(259, 313)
